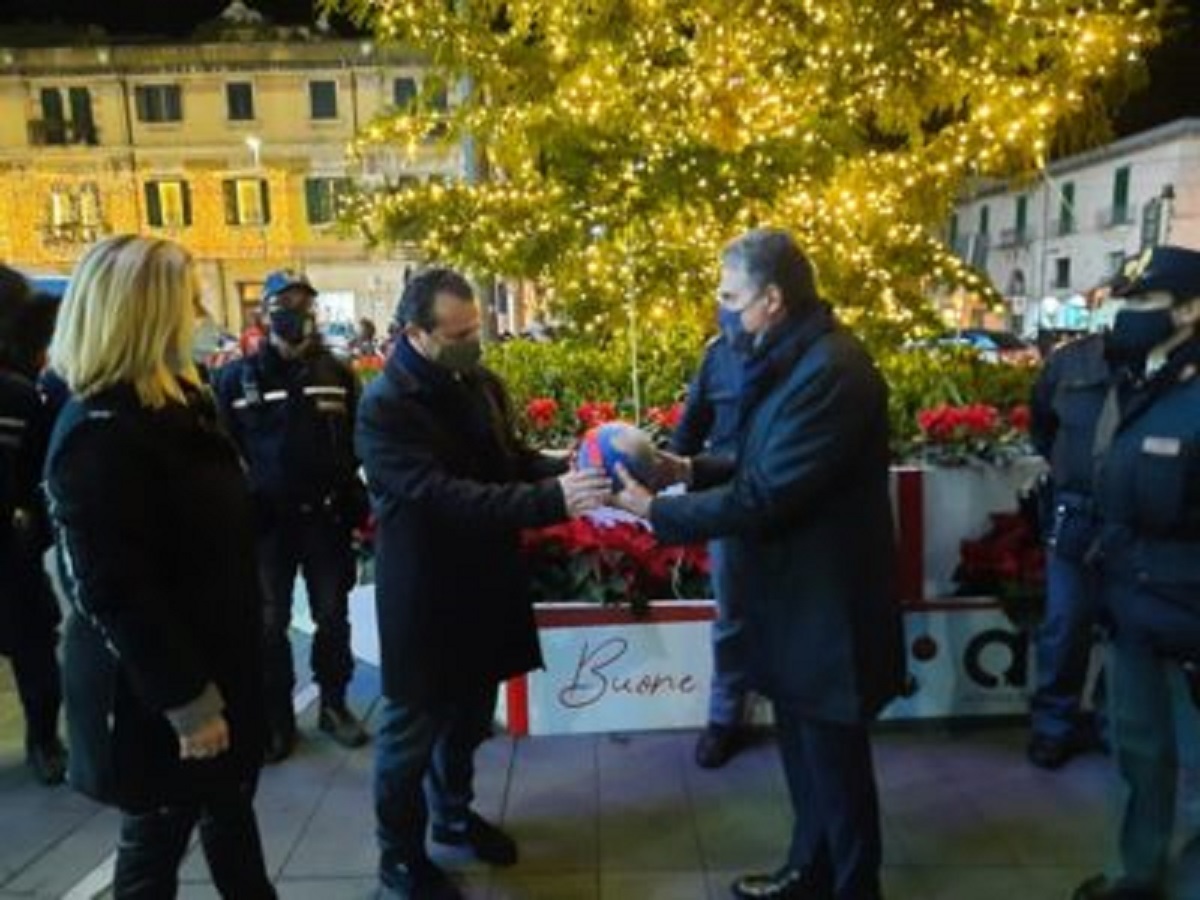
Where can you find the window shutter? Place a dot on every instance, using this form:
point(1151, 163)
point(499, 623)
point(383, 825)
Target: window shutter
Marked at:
point(312, 201)
point(153, 205)
point(52, 105)
point(232, 214)
point(266, 200)
point(141, 96)
point(186, 190)
point(173, 103)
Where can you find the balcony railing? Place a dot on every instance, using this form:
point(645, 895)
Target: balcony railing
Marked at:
point(1014, 237)
point(59, 133)
point(1115, 216)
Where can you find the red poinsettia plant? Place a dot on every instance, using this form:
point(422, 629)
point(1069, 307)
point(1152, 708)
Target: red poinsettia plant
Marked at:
point(1009, 563)
point(612, 562)
point(954, 435)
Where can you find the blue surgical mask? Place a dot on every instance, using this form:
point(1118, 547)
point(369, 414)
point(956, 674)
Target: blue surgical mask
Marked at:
point(730, 323)
point(1136, 332)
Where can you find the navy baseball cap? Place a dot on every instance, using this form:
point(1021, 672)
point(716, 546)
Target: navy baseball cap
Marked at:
point(1175, 270)
point(282, 279)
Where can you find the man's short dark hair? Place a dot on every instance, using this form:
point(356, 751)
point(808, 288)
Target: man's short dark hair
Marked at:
point(771, 256)
point(416, 303)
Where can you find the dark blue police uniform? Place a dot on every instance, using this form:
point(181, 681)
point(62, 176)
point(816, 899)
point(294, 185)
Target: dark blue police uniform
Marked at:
point(293, 420)
point(1065, 406)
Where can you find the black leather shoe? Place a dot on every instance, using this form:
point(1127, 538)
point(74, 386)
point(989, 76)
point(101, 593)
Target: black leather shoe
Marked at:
point(281, 741)
point(336, 720)
point(1050, 753)
point(47, 759)
point(716, 745)
point(1100, 888)
point(485, 840)
point(420, 880)
point(786, 884)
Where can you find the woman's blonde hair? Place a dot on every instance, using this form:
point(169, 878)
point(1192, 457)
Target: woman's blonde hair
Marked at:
point(128, 317)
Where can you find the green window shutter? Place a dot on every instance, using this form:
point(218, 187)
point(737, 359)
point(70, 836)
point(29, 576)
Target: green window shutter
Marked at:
point(173, 103)
point(153, 206)
point(404, 92)
point(186, 190)
point(229, 188)
point(1120, 196)
point(1067, 209)
point(52, 105)
point(312, 200)
point(266, 200)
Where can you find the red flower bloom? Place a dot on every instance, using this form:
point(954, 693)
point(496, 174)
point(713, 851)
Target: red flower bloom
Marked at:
point(541, 412)
point(665, 417)
point(1018, 418)
point(593, 413)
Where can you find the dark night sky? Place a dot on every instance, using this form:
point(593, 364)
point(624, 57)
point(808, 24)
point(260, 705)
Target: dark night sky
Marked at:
point(1174, 67)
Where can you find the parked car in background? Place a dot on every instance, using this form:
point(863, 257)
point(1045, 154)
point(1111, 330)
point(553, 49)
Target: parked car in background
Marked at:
point(994, 346)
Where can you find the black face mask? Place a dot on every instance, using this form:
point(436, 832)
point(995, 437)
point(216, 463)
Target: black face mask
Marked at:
point(1136, 332)
point(293, 326)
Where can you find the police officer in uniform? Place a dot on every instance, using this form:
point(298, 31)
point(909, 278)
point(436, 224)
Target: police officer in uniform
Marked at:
point(290, 406)
point(1147, 488)
point(29, 615)
point(1065, 405)
point(709, 424)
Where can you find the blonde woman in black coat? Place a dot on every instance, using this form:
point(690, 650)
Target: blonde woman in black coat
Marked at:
point(162, 660)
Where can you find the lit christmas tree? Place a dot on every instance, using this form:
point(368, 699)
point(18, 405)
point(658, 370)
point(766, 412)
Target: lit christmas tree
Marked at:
point(622, 142)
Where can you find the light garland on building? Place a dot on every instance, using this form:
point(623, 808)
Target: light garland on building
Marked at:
point(628, 139)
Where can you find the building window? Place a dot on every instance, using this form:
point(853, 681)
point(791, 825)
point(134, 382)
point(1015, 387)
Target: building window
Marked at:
point(985, 216)
point(322, 196)
point(239, 100)
point(1062, 272)
point(74, 214)
point(66, 117)
point(1115, 260)
point(158, 103)
point(168, 204)
point(439, 99)
point(247, 201)
point(1120, 196)
point(952, 230)
point(322, 96)
point(404, 92)
point(1066, 209)
point(1021, 223)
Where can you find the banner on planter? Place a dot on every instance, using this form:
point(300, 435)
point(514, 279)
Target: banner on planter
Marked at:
point(607, 671)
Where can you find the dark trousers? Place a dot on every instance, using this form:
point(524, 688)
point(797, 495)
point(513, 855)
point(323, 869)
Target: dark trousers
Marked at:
point(317, 546)
point(831, 780)
point(425, 766)
point(29, 620)
point(1156, 737)
point(153, 844)
point(1064, 648)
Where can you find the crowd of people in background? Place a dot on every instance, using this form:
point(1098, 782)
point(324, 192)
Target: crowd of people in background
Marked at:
point(178, 482)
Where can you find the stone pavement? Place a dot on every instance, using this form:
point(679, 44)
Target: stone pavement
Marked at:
point(626, 817)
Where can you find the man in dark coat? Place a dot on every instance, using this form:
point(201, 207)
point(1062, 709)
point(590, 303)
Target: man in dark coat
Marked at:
point(29, 615)
point(806, 515)
point(290, 406)
point(452, 487)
